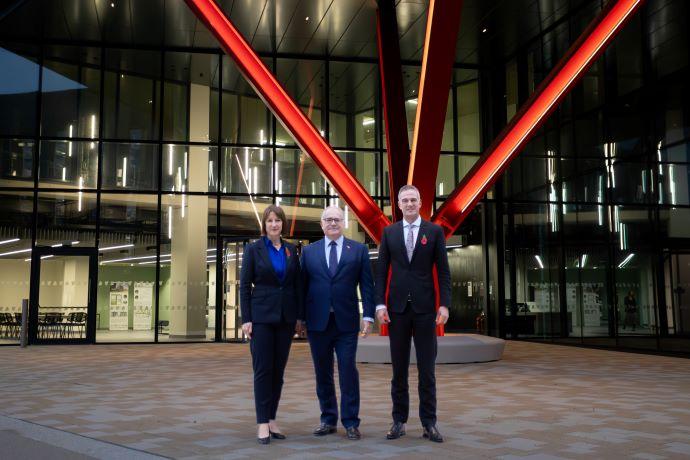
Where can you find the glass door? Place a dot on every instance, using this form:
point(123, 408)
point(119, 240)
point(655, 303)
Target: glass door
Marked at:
point(232, 264)
point(63, 293)
point(678, 316)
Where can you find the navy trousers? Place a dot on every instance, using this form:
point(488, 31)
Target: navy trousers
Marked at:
point(270, 347)
point(344, 344)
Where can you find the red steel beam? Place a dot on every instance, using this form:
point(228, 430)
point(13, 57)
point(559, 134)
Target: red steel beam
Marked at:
point(390, 68)
point(443, 23)
point(291, 116)
point(534, 113)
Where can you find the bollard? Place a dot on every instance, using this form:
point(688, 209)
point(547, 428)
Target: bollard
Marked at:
point(23, 331)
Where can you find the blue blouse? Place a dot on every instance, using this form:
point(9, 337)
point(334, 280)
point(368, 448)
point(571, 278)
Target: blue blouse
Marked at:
point(278, 258)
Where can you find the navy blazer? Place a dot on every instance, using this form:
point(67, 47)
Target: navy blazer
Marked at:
point(324, 291)
point(264, 298)
point(413, 279)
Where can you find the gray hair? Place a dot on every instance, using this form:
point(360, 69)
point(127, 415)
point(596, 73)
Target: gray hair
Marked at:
point(407, 188)
point(328, 208)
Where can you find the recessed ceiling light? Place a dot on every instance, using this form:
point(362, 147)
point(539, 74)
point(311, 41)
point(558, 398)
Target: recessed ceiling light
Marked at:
point(484, 30)
point(112, 4)
point(307, 18)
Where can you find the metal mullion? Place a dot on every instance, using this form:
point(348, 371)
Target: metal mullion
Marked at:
point(220, 263)
point(274, 178)
point(160, 197)
point(99, 167)
point(33, 280)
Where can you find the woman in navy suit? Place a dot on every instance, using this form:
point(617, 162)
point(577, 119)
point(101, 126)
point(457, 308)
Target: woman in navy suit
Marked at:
point(270, 302)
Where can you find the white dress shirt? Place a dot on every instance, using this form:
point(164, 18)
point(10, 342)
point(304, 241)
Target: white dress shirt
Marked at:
point(406, 230)
point(339, 250)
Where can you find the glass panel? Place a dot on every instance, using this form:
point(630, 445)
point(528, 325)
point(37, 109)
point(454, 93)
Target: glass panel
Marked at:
point(71, 92)
point(127, 266)
point(304, 82)
point(15, 270)
point(511, 89)
point(132, 94)
point(189, 104)
point(586, 297)
point(469, 127)
point(18, 89)
point(364, 166)
point(465, 163)
point(246, 118)
point(677, 278)
point(187, 283)
point(537, 269)
point(241, 216)
point(63, 297)
point(353, 88)
point(16, 162)
point(66, 219)
point(246, 170)
point(629, 183)
point(466, 260)
point(190, 168)
point(68, 164)
point(295, 169)
point(130, 166)
point(634, 272)
point(175, 110)
point(445, 179)
point(673, 184)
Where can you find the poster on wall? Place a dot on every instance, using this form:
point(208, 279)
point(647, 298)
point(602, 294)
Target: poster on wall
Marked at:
point(119, 306)
point(591, 303)
point(143, 306)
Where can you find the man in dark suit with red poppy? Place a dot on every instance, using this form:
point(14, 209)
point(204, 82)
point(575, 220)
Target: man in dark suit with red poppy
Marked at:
point(410, 249)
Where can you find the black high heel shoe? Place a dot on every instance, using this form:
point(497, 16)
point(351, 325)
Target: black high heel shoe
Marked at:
point(264, 441)
point(277, 435)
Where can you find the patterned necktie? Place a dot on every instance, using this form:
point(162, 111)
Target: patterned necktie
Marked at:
point(409, 243)
point(333, 258)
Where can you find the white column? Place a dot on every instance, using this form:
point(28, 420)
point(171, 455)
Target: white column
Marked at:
point(190, 229)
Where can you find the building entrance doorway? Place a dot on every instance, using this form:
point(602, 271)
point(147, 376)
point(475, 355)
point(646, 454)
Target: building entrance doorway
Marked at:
point(677, 268)
point(62, 301)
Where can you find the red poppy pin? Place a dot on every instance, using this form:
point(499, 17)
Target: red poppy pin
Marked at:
point(424, 240)
point(287, 252)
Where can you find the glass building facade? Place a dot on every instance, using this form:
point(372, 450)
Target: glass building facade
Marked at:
point(135, 161)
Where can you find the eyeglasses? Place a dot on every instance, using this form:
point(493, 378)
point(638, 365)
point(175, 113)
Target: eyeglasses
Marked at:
point(332, 220)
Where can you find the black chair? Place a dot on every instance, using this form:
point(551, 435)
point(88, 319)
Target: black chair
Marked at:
point(161, 324)
point(17, 323)
point(52, 325)
point(6, 324)
point(76, 322)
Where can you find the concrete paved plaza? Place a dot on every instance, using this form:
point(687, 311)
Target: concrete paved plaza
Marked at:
point(195, 401)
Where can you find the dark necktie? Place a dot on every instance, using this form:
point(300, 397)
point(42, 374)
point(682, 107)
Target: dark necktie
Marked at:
point(333, 258)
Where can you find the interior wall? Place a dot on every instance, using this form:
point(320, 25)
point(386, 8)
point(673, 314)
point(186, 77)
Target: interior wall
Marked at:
point(14, 284)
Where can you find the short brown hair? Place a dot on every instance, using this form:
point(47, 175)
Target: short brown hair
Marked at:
point(272, 208)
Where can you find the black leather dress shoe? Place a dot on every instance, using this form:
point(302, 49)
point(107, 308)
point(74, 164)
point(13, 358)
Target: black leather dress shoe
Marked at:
point(397, 430)
point(277, 435)
point(265, 440)
point(324, 429)
point(353, 433)
point(432, 433)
